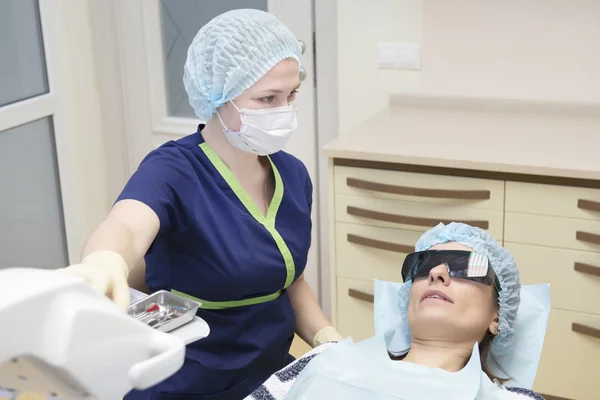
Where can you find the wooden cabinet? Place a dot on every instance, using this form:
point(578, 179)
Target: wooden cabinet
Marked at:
point(371, 252)
point(574, 276)
point(355, 307)
point(571, 356)
point(553, 232)
point(552, 200)
point(420, 188)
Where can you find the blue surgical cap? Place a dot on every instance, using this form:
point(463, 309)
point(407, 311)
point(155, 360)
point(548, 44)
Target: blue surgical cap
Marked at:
point(231, 53)
point(503, 264)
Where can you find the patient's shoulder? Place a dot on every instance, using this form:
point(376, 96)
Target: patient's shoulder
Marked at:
point(525, 393)
point(277, 386)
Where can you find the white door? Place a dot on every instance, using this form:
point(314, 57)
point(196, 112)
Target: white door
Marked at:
point(46, 206)
point(154, 36)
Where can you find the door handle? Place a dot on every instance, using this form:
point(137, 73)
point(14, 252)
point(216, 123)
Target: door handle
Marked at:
point(418, 192)
point(587, 269)
point(588, 205)
point(360, 295)
point(409, 220)
point(585, 330)
point(380, 244)
point(587, 237)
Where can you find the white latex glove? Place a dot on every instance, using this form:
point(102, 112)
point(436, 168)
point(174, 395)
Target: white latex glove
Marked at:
point(106, 272)
point(325, 335)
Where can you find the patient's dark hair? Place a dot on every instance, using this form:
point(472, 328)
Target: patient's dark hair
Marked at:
point(485, 350)
point(485, 353)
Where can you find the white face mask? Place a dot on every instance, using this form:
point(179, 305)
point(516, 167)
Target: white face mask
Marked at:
point(264, 131)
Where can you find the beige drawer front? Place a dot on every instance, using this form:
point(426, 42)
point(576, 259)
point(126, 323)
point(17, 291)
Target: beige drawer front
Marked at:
point(355, 308)
point(576, 234)
point(574, 276)
point(412, 216)
point(570, 360)
point(558, 201)
point(420, 188)
point(369, 252)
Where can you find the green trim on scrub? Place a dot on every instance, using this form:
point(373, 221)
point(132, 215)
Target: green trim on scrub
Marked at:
point(268, 222)
point(221, 305)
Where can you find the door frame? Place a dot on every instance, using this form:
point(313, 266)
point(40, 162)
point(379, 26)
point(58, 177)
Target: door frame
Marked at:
point(123, 31)
point(123, 135)
point(326, 71)
point(73, 104)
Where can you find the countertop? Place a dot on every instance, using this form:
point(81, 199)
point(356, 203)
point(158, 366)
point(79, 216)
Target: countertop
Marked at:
point(510, 138)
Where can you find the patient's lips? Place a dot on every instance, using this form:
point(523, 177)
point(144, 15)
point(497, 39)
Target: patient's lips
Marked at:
point(436, 295)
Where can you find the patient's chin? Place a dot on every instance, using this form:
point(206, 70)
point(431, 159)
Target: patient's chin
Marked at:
point(434, 310)
point(436, 323)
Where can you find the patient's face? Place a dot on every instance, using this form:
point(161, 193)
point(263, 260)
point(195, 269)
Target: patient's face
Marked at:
point(445, 309)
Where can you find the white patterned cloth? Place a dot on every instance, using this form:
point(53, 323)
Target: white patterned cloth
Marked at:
point(279, 384)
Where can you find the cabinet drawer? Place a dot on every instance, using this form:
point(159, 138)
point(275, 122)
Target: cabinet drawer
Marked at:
point(355, 315)
point(558, 201)
point(574, 276)
point(412, 216)
point(420, 188)
point(369, 252)
point(576, 234)
point(570, 358)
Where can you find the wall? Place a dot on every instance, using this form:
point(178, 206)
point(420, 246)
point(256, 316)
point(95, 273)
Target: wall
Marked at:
point(364, 89)
point(180, 22)
point(84, 171)
point(513, 49)
point(545, 50)
point(534, 49)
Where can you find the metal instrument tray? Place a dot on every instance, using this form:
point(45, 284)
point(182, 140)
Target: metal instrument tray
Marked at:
point(164, 310)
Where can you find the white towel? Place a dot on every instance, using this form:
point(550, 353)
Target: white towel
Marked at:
point(279, 384)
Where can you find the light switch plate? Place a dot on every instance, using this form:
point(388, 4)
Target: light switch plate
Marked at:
point(399, 56)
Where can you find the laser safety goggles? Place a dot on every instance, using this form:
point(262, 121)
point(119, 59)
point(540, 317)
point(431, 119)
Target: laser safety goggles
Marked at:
point(459, 264)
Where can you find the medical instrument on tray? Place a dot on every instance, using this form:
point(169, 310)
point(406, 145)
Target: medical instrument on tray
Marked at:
point(164, 310)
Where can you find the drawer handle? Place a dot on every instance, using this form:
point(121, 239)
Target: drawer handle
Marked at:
point(380, 244)
point(407, 220)
point(588, 237)
point(419, 192)
point(587, 269)
point(363, 296)
point(588, 205)
point(585, 330)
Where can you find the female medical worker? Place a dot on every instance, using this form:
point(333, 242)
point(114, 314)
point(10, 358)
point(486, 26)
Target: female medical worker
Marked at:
point(223, 215)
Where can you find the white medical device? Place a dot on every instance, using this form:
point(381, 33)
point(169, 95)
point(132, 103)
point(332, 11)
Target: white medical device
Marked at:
point(61, 338)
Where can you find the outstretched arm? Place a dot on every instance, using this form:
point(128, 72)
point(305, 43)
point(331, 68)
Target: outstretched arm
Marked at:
point(311, 323)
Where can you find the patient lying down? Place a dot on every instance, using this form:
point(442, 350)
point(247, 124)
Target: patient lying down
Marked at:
point(443, 334)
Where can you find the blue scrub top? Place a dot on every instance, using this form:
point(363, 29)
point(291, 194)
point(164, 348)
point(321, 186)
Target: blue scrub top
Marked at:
point(211, 247)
